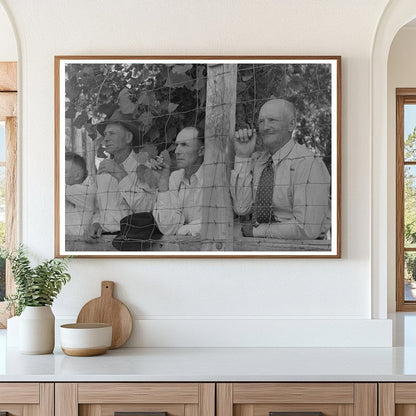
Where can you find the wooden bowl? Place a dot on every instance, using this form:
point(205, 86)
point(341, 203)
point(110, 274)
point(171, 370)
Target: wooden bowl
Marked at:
point(84, 340)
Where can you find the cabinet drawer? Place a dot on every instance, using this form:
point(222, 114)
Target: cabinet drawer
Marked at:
point(138, 393)
point(397, 399)
point(19, 393)
point(268, 399)
point(148, 399)
point(21, 399)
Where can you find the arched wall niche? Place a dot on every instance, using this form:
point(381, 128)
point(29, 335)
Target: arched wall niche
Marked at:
point(396, 15)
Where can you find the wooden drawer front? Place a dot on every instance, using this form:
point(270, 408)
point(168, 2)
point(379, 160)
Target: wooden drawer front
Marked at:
point(264, 410)
point(138, 393)
point(104, 399)
point(405, 393)
point(397, 399)
point(111, 409)
point(293, 393)
point(27, 399)
point(19, 393)
point(331, 399)
point(13, 409)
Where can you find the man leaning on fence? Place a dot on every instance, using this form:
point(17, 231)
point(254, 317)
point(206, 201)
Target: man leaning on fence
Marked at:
point(285, 187)
point(178, 208)
point(119, 192)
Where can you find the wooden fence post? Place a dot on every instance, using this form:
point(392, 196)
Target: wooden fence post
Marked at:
point(217, 214)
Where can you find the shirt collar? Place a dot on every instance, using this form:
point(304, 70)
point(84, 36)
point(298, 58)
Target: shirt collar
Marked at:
point(280, 154)
point(284, 151)
point(131, 162)
point(198, 175)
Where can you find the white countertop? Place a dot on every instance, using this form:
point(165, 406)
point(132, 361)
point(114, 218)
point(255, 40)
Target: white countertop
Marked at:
point(222, 364)
point(215, 364)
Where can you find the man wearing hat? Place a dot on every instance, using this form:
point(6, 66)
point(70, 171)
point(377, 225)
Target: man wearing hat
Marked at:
point(119, 193)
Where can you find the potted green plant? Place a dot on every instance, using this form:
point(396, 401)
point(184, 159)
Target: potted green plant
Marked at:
point(36, 289)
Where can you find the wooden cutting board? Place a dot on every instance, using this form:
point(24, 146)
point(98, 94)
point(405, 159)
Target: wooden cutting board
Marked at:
point(108, 310)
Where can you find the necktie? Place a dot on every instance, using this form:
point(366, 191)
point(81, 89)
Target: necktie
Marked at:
point(263, 205)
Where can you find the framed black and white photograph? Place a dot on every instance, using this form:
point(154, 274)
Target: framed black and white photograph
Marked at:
point(198, 156)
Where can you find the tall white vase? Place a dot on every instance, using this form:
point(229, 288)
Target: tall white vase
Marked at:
point(37, 330)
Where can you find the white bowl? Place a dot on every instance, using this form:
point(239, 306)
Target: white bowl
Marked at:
point(83, 340)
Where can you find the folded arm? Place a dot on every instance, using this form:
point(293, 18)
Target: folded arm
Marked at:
point(168, 212)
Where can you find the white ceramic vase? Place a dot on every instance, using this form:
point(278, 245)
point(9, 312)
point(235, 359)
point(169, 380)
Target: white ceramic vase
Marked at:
point(37, 330)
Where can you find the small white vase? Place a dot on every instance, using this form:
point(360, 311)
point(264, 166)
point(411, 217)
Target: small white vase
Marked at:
point(37, 330)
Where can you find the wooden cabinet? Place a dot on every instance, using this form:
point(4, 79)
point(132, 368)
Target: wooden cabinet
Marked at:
point(222, 399)
point(27, 399)
point(105, 399)
point(331, 399)
point(208, 399)
point(397, 399)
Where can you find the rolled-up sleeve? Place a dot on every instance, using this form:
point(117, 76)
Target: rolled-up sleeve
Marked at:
point(168, 213)
point(81, 195)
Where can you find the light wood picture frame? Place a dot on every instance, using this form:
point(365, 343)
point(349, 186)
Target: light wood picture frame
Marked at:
point(165, 156)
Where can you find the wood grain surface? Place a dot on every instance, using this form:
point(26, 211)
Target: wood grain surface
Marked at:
point(111, 311)
point(170, 393)
point(8, 76)
point(252, 393)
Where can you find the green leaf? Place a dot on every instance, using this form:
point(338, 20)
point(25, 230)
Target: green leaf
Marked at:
point(281, 89)
point(172, 107)
point(177, 80)
point(35, 286)
point(107, 109)
point(181, 69)
point(71, 112)
point(153, 134)
point(147, 98)
point(171, 133)
point(241, 86)
point(150, 149)
point(88, 70)
point(200, 83)
point(72, 91)
point(146, 120)
point(81, 120)
point(125, 103)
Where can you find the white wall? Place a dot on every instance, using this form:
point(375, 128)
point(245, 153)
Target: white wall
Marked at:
point(401, 74)
point(8, 46)
point(203, 302)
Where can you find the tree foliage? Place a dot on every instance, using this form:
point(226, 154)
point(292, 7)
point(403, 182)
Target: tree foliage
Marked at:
point(410, 191)
point(307, 86)
point(161, 98)
point(164, 98)
point(410, 205)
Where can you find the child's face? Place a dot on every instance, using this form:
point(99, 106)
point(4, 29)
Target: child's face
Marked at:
point(73, 173)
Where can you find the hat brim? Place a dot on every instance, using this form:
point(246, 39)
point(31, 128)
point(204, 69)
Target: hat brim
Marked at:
point(130, 126)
